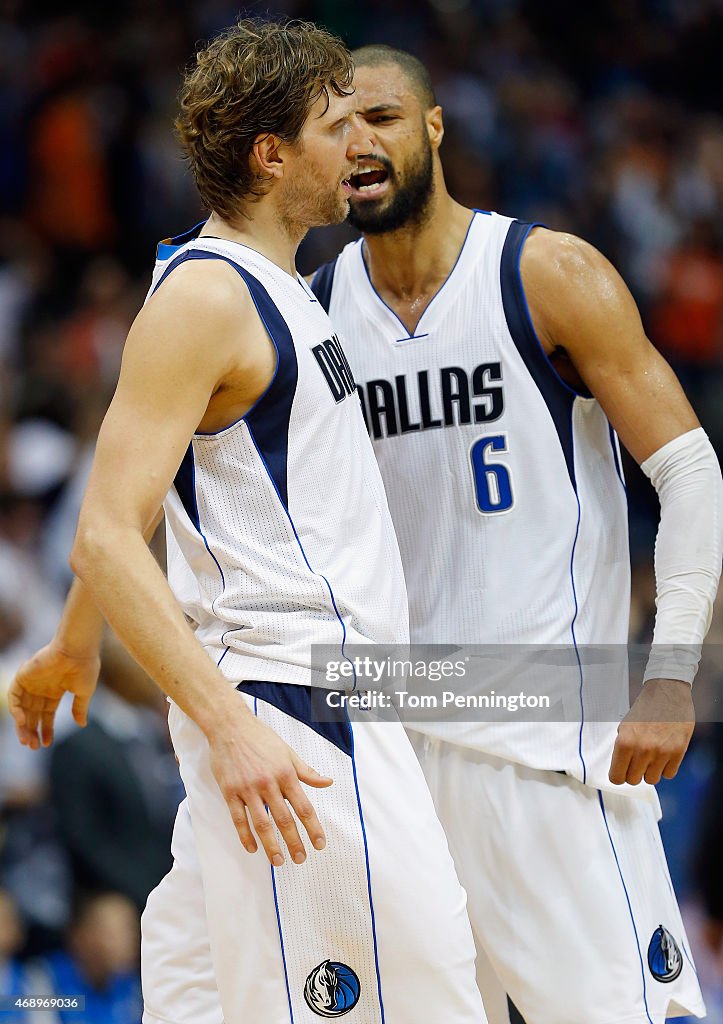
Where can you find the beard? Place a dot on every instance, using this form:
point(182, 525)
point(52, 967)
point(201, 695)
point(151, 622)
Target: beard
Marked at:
point(306, 204)
point(408, 204)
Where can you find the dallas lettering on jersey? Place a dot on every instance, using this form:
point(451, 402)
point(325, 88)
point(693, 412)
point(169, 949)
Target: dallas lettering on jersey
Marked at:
point(423, 404)
point(330, 357)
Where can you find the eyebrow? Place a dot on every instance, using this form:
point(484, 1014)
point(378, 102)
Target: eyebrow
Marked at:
point(342, 118)
point(380, 107)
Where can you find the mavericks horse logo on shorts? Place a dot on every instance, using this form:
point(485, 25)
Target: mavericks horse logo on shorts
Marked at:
point(332, 989)
point(664, 957)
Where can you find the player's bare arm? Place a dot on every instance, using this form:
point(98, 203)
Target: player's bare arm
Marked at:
point(186, 367)
point(589, 325)
point(70, 663)
point(584, 315)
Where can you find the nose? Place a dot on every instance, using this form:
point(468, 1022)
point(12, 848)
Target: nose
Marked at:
point(362, 139)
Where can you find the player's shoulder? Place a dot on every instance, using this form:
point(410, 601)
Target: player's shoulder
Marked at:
point(560, 257)
point(568, 283)
point(209, 285)
point(199, 314)
point(201, 303)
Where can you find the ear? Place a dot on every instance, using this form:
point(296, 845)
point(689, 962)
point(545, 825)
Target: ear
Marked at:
point(266, 153)
point(435, 127)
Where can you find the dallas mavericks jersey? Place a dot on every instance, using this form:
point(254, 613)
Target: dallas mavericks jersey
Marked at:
point(279, 533)
point(505, 489)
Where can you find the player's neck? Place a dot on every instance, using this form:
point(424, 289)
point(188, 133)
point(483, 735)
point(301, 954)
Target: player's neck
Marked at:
point(261, 232)
point(415, 260)
point(408, 267)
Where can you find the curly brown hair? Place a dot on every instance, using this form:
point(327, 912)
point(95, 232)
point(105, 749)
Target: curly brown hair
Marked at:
point(257, 78)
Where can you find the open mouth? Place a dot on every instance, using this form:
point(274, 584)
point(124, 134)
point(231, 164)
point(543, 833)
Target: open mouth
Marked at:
point(368, 179)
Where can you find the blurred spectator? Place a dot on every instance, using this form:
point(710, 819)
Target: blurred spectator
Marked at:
point(12, 938)
point(115, 789)
point(687, 319)
point(32, 864)
point(18, 980)
point(69, 202)
point(710, 854)
point(28, 616)
point(100, 963)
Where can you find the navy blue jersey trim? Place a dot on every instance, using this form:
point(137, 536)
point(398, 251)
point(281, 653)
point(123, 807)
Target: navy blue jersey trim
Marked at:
point(574, 639)
point(558, 396)
point(278, 916)
point(185, 484)
point(281, 939)
point(189, 254)
point(323, 283)
point(297, 702)
point(269, 417)
point(369, 878)
point(616, 458)
point(513, 1013)
point(168, 246)
point(630, 906)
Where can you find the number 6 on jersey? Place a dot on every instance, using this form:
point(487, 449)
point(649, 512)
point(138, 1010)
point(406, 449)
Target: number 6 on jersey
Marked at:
point(492, 483)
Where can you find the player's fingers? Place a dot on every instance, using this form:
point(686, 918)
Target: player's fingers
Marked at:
point(673, 764)
point(622, 755)
point(23, 733)
point(310, 775)
point(655, 768)
point(241, 821)
point(281, 813)
point(263, 826)
point(304, 810)
point(80, 710)
point(47, 720)
point(32, 721)
point(637, 767)
point(18, 715)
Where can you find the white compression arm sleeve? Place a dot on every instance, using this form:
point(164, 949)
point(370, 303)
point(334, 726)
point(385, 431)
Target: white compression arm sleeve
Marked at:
point(688, 551)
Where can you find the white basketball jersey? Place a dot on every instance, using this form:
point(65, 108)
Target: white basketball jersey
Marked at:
point(279, 534)
point(504, 484)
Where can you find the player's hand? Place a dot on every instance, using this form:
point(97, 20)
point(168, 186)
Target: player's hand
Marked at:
point(654, 735)
point(260, 778)
point(38, 688)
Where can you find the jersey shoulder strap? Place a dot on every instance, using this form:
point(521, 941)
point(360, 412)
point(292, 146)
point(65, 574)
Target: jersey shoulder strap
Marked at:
point(323, 282)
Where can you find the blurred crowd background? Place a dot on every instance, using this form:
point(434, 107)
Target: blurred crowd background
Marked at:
point(605, 119)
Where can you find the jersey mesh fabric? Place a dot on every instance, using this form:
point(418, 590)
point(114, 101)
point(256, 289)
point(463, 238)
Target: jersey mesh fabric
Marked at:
point(527, 547)
point(280, 534)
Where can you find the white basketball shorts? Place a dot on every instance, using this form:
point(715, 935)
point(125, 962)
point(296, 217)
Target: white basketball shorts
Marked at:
point(568, 892)
point(374, 928)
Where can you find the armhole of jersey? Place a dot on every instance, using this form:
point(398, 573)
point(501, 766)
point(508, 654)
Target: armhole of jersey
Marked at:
point(268, 418)
point(558, 395)
point(323, 283)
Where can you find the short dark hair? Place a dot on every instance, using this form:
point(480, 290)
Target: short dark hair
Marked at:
point(377, 54)
point(256, 78)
